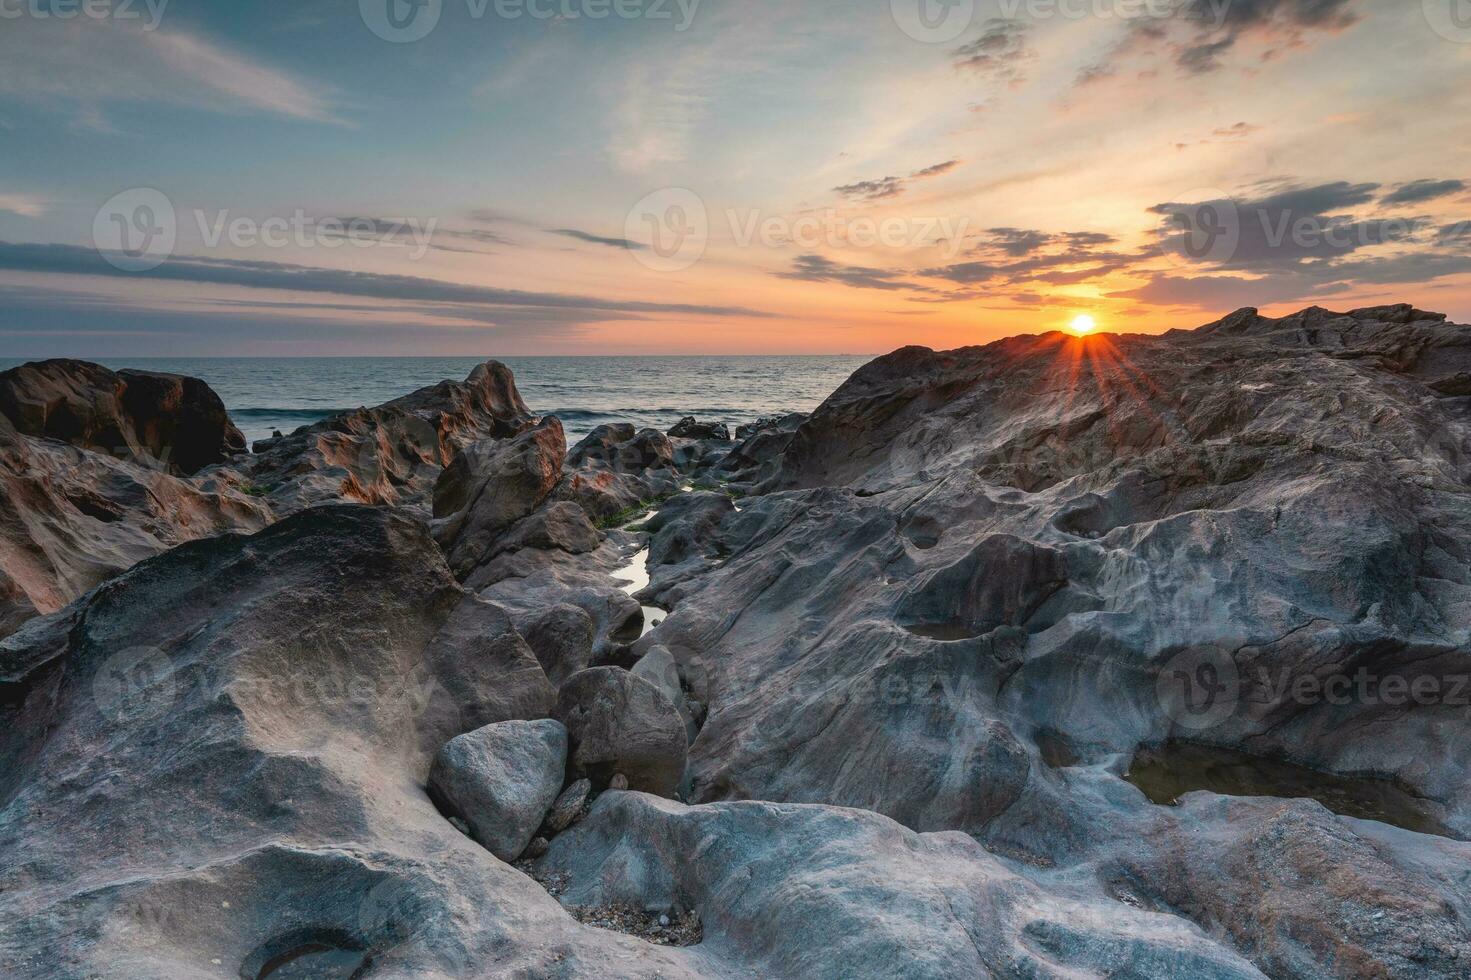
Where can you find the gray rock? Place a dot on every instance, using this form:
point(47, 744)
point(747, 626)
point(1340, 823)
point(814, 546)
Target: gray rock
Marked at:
point(501, 780)
point(562, 638)
point(568, 806)
point(619, 723)
point(616, 469)
point(241, 730)
point(689, 428)
point(825, 892)
point(560, 525)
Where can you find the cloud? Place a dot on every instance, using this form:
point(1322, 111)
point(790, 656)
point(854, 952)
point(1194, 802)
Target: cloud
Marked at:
point(583, 236)
point(407, 231)
point(1023, 255)
point(75, 260)
point(25, 205)
point(1293, 226)
point(1000, 54)
point(1455, 234)
point(1239, 130)
point(887, 187)
point(1275, 24)
point(1222, 292)
point(659, 104)
point(1423, 190)
point(815, 268)
point(89, 62)
point(1199, 34)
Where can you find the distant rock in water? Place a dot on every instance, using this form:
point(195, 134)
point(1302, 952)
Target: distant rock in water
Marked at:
point(689, 428)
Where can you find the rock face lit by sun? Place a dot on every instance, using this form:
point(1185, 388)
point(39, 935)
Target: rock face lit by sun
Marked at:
point(1083, 323)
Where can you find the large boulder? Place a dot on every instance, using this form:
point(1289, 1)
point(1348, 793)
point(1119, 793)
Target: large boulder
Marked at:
point(391, 454)
point(240, 732)
point(489, 486)
point(170, 421)
point(71, 518)
point(825, 892)
point(621, 724)
point(617, 470)
point(501, 780)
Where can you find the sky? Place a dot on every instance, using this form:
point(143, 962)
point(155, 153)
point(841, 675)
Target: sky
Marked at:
point(487, 177)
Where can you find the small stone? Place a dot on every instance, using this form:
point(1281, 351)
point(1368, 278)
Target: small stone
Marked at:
point(663, 920)
point(619, 781)
point(536, 848)
point(568, 806)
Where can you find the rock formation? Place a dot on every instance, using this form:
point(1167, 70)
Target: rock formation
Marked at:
point(1104, 656)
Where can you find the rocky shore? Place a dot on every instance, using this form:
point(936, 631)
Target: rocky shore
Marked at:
point(1112, 656)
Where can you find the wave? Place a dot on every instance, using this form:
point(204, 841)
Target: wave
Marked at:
point(286, 413)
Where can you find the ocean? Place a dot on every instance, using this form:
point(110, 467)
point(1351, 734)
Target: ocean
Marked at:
point(286, 393)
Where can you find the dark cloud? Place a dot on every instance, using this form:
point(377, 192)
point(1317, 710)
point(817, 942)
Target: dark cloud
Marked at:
point(1287, 228)
point(1423, 190)
point(873, 190)
point(75, 260)
point(935, 170)
point(1199, 34)
point(886, 187)
point(1237, 131)
point(1018, 241)
point(815, 268)
point(1024, 255)
point(406, 232)
point(1454, 234)
point(1221, 292)
point(583, 236)
point(1000, 54)
point(1219, 25)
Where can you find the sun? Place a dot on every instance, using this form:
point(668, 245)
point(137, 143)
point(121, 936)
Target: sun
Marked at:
point(1083, 323)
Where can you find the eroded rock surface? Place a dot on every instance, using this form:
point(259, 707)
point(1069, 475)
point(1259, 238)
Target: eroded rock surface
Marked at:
point(176, 422)
point(935, 645)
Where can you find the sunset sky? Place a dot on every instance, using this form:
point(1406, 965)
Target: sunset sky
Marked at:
point(717, 176)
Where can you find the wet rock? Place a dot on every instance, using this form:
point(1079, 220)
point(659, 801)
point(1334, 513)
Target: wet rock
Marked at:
point(619, 723)
point(489, 486)
point(684, 526)
point(617, 470)
point(501, 779)
point(689, 428)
